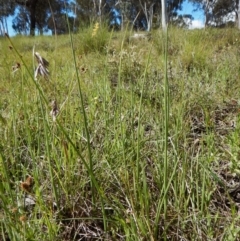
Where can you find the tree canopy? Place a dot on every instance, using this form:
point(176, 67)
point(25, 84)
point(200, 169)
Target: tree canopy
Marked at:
point(219, 12)
point(6, 9)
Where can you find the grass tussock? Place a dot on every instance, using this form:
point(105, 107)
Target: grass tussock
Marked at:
point(82, 151)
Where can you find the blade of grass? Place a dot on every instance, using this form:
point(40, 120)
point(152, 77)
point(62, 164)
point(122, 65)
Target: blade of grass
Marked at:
point(84, 115)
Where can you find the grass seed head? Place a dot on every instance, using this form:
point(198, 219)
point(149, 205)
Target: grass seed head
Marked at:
point(16, 67)
point(41, 60)
point(27, 185)
point(14, 210)
point(23, 218)
point(42, 66)
point(83, 70)
point(54, 112)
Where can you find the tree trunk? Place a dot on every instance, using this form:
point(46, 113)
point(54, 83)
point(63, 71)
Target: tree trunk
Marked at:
point(150, 20)
point(122, 22)
point(6, 25)
point(32, 9)
point(75, 16)
point(206, 13)
point(1, 28)
point(100, 11)
point(238, 15)
point(164, 15)
point(207, 19)
point(31, 6)
point(148, 14)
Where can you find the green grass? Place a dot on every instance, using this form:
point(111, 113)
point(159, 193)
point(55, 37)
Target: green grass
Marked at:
point(119, 163)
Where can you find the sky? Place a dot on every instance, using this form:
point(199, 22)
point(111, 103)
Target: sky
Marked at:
point(187, 8)
point(9, 24)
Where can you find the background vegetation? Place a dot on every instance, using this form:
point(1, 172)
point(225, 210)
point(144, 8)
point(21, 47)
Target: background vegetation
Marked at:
point(38, 17)
point(97, 171)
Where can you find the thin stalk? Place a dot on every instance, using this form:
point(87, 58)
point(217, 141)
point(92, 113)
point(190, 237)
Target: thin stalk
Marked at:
point(84, 116)
point(47, 143)
point(166, 122)
point(119, 97)
point(163, 201)
point(139, 116)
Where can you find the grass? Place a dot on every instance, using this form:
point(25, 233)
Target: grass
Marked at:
point(107, 169)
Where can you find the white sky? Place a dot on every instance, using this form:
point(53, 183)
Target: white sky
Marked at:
point(196, 24)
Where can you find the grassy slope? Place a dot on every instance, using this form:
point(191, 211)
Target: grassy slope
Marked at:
point(102, 176)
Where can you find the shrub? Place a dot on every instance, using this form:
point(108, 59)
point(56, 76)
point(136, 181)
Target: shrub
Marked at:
point(93, 39)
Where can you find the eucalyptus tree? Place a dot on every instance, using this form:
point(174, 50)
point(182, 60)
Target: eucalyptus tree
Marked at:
point(84, 11)
point(224, 12)
point(98, 7)
point(88, 11)
point(126, 11)
point(206, 6)
point(38, 12)
point(6, 9)
point(112, 11)
point(144, 13)
point(31, 7)
point(238, 14)
point(218, 12)
point(164, 15)
point(139, 14)
point(148, 10)
point(169, 11)
point(21, 22)
point(60, 23)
